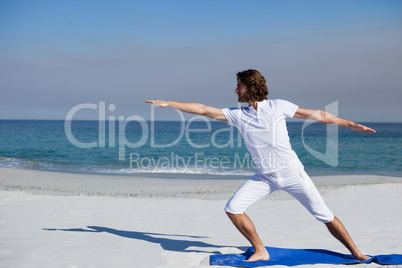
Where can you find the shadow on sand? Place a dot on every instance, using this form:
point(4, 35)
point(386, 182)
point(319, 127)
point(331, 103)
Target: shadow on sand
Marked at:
point(171, 244)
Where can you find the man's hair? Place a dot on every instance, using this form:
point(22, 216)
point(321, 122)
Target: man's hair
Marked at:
point(255, 84)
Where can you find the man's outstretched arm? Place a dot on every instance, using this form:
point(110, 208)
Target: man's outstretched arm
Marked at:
point(328, 118)
point(192, 108)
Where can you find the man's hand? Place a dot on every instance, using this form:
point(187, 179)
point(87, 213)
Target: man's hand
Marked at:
point(158, 103)
point(361, 128)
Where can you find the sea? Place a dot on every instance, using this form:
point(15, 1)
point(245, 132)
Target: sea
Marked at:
point(193, 149)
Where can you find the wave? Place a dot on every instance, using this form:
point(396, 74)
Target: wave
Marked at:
point(190, 170)
point(9, 162)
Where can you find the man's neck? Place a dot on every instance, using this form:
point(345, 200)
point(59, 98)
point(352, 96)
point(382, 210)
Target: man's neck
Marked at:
point(253, 104)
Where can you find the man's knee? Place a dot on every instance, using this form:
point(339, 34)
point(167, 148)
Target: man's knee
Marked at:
point(230, 210)
point(232, 216)
point(331, 222)
point(321, 212)
point(325, 217)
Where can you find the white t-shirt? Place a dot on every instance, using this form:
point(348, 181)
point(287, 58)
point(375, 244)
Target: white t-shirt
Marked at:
point(265, 134)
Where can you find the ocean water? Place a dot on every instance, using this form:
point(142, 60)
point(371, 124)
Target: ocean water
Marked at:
point(197, 147)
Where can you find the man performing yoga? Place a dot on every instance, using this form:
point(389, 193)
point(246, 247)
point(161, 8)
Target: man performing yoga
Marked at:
point(264, 131)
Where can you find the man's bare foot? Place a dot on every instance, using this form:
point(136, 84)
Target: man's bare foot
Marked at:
point(259, 256)
point(361, 257)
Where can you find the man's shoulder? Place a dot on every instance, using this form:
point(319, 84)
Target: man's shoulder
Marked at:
point(231, 110)
point(279, 102)
point(275, 102)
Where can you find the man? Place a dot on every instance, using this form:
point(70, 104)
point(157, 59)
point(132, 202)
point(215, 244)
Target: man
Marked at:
point(264, 131)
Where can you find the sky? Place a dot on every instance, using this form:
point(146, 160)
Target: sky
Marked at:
point(55, 55)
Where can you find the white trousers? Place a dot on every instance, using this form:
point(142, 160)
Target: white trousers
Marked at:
point(293, 180)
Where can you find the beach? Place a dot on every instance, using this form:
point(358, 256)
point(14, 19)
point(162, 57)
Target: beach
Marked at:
point(126, 127)
point(54, 219)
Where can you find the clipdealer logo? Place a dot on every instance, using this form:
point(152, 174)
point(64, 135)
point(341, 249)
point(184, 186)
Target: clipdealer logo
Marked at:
point(148, 132)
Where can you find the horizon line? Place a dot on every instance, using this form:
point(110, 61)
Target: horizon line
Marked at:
point(149, 120)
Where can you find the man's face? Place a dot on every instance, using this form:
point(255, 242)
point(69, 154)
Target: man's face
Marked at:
point(241, 92)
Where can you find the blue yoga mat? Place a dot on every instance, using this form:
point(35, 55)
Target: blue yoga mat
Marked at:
point(292, 257)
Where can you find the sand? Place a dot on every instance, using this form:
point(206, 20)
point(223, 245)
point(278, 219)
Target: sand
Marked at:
point(50, 219)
